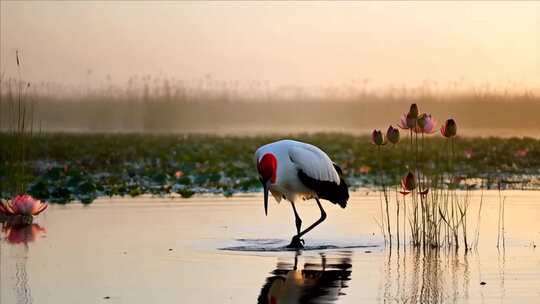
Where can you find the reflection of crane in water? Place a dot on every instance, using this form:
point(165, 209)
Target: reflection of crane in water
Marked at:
point(315, 283)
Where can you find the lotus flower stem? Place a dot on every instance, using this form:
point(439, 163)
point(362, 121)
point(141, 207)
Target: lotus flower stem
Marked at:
point(388, 217)
point(404, 218)
point(397, 218)
point(422, 202)
point(475, 242)
point(385, 195)
point(500, 221)
point(381, 193)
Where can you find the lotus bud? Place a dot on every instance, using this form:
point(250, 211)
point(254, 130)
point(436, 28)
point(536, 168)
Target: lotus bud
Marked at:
point(408, 182)
point(449, 129)
point(422, 121)
point(392, 135)
point(413, 111)
point(377, 138)
point(411, 121)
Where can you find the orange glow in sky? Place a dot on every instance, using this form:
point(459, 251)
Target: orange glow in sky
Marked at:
point(307, 44)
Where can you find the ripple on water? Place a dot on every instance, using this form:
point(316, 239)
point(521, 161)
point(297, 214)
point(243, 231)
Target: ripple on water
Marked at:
point(278, 245)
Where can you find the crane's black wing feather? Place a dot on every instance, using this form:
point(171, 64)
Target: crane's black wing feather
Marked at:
point(337, 194)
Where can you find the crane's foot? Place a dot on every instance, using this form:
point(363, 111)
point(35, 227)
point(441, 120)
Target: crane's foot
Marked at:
point(296, 243)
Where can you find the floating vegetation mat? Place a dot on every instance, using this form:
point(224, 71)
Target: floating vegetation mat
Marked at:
point(81, 167)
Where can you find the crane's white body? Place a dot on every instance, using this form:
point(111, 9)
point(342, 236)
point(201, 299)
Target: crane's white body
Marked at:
point(293, 156)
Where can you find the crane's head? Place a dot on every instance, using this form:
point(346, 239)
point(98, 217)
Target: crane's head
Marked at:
point(267, 167)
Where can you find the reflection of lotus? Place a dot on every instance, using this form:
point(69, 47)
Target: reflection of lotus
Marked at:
point(22, 234)
point(23, 205)
point(315, 283)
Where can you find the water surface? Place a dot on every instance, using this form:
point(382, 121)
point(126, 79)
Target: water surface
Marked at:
point(224, 250)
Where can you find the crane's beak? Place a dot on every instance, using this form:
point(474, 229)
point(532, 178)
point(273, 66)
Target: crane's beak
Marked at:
point(266, 185)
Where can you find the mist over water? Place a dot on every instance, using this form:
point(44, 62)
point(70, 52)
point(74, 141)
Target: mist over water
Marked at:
point(226, 112)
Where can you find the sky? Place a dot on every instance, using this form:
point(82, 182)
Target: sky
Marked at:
point(292, 43)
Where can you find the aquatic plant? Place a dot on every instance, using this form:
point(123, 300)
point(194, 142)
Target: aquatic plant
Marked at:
point(449, 129)
point(425, 124)
point(20, 126)
point(23, 205)
point(62, 168)
point(437, 217)
point(500, 217)
point(408, 183)
point(392, 135)
point(377, 138)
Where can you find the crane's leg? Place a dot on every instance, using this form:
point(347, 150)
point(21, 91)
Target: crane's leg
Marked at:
point(297, 219)
point(296, 241)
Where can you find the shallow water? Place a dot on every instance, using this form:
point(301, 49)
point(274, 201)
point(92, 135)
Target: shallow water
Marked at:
point(224, 250)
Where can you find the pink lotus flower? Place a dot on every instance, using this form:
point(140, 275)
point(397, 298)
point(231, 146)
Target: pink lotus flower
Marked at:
point(22, 234)
point(521, 153)
point(425, 124)
point(408, 120)
point(23, 205)
point(364, 169)
point(178, 174)
point(468, 153)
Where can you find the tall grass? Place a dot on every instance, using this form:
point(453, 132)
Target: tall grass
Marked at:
point(500, 217)
point(165, 105)
point(18, 112)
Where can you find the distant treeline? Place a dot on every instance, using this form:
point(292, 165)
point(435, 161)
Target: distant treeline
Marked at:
point(219, 109)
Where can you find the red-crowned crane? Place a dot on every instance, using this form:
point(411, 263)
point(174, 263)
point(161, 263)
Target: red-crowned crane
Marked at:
point(298, 171)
